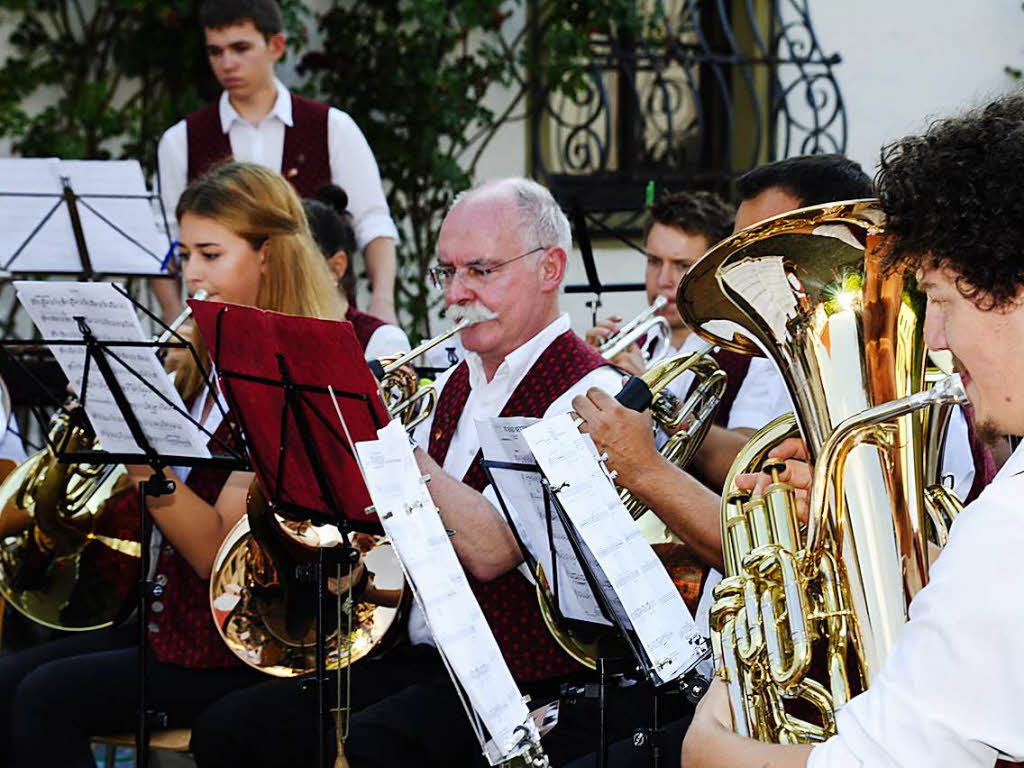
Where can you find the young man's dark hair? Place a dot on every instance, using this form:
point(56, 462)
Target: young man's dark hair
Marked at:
point(703, 213)
point(811, 179)
point(264, 14)
point(955, 197)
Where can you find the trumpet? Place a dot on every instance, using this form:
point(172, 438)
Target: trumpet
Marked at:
point(647, 323)
point(406, 396)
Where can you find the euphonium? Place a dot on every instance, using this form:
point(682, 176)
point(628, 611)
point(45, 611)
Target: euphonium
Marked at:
point(65, 559)
point(264, 615)
point(805, 616)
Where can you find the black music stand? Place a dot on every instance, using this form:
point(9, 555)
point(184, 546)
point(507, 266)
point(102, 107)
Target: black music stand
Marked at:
point(102, 354)
point(632, 656)
point(308, 426)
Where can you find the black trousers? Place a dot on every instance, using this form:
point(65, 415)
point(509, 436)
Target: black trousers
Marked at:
point(406, 714)
point(56, 696)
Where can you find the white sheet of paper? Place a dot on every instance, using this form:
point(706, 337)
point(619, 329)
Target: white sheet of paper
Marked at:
point(660, 618)
point(111, 317)
point(501, 439)
point(53, 248)
point(455, 619)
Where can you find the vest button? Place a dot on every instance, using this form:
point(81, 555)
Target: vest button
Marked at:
point(157, 606)
point(168, 550)
point(153, 628)
point(161, 579)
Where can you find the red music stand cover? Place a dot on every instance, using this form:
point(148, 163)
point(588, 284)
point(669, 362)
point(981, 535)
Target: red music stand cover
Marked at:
point(248, 347)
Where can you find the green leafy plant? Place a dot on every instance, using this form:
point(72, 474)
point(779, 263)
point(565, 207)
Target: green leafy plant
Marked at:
point(113, 74)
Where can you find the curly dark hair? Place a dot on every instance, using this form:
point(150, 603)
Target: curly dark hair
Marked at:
point(811, 179)
point(700, 213)
point(954, 197)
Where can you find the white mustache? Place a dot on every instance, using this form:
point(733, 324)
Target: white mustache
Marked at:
point(474, 313)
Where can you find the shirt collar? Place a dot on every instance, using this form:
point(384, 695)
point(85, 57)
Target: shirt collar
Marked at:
point(519, 361)
point(282, 109)
point(1013, 466)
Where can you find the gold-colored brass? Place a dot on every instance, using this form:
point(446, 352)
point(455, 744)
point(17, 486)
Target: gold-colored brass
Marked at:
point(805, 617)
point(686, 424)
point(407, 397)
point(65, 561)
point(647, 325)
point(267, 618)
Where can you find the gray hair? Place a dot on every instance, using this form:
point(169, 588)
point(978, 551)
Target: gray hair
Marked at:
point(541, 221)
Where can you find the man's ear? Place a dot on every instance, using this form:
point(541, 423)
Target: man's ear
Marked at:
point(276, 45)
point(551, 268)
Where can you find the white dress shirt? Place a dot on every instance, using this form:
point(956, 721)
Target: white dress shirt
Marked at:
point(353, 167)
point(486, 400)
point(950, 693)
point(386, 340)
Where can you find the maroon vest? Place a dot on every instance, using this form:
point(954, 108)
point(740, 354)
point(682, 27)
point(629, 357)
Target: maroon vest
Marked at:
point(305, 162)
point(509, 602)
point(735, 366)
point(984, 464)
point(363, 324)
point(181, 630)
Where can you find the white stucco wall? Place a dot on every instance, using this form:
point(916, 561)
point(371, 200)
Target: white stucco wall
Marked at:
point(904, 62)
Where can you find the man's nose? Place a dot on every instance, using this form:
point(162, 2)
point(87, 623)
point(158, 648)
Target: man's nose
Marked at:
point(934, 330)
point(457, 292)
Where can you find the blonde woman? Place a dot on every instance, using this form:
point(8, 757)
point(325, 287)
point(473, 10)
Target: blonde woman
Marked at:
point(244, 239)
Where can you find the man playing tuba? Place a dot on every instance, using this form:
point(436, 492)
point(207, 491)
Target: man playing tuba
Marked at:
point(954, 207)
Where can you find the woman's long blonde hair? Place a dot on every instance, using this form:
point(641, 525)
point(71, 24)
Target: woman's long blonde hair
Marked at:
point(259, 205)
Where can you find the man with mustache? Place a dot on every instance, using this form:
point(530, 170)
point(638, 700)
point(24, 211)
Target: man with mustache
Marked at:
point(949, 691)
point(502, 254)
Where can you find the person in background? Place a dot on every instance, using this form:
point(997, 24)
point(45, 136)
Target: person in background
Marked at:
point(256, 119)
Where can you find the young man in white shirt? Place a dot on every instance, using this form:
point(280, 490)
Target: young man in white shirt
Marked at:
point(950, 691)
point(257, 119)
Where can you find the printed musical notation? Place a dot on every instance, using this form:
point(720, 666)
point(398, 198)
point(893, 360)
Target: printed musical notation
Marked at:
point(56, 308)
point(501, 439)
point(453, 614)
point(658, 615)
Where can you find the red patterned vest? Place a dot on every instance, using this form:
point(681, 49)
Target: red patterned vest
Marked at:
point(305, 161)
point(363, 324)
point(510, 602)
point(181, 629)
point(735, 366)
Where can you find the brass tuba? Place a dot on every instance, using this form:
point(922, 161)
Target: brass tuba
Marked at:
point(806, 615)
point(66, 559)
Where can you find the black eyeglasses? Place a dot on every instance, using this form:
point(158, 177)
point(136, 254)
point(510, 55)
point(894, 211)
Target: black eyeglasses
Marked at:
point(472, 275)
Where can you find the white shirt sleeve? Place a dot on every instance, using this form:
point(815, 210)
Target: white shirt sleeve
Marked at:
point(354, 169)
point(386, 340)
point(172, 160)
point(761, 397)
point(949, 694)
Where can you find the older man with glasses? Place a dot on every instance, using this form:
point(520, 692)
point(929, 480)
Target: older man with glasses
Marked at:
point(502, 256)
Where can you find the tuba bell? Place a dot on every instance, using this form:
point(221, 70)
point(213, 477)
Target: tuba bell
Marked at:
point(807, 614)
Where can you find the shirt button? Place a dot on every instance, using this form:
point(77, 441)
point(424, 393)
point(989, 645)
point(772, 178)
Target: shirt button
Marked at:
point(153, 628)
point(157, 606)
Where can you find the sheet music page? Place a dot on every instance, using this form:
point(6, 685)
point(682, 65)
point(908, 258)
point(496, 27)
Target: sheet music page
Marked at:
point(110, 316)
point(501, 439)
point(662, 622)
point(52, 247)
point(462, 634)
